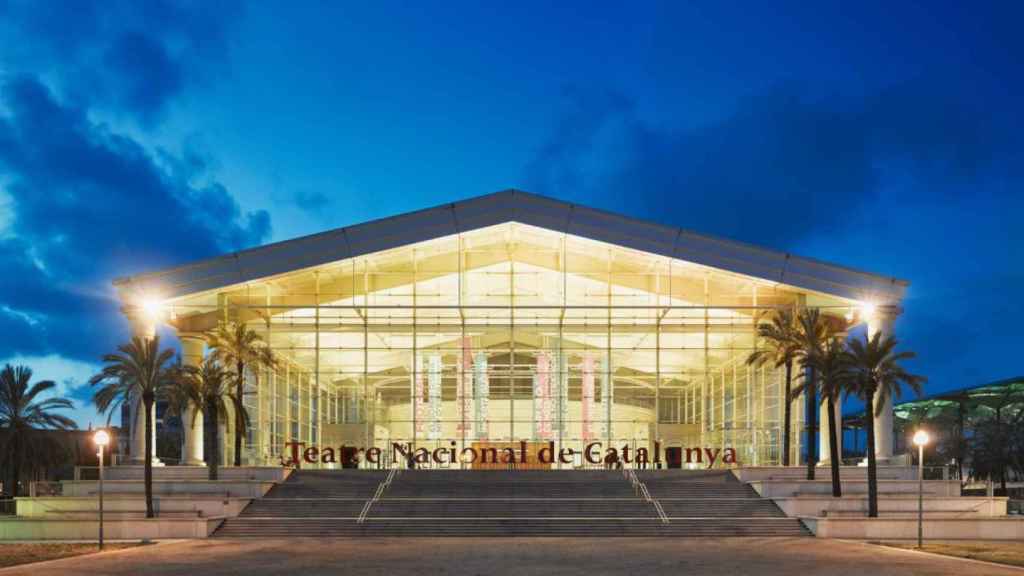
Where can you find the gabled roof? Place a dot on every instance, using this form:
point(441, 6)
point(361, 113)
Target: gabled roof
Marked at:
point(526, 208)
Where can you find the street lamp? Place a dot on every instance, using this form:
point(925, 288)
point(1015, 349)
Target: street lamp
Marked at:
point(920, 439)
point(101, 438)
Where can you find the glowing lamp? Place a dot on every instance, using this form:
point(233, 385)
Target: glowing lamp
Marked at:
point(921, 438)
point(867, 310)
point(153, 307)
point(101, 438)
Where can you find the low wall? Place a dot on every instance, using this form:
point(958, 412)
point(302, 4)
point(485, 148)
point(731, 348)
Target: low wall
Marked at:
point(898, 505)
point(1006, 528)
point(260, 473)
point(790, 488)
point(226, 488)
point(114, 529)
point(198, 506)
point(761, 473)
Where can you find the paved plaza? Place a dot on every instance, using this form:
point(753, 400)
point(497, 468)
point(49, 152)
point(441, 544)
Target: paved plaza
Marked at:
point(519, 556)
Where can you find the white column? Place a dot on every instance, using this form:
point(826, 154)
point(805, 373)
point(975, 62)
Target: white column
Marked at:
point(824, 438)
point(142, 326)
point(882, 321)
point(192, 347)
point(138, 433)
point(225, 435)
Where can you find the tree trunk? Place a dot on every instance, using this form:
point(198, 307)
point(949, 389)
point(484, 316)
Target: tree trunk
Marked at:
point(812, 423)
point(239, 390)
point(147, 467)
point(787, 414)
point(833, 448)
point(211, 415)
point(1003, 456)
point(872, 465)
point(17, 456)
point(960, 444)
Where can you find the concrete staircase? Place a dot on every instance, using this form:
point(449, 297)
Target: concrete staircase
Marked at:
point(509, 503)
point(706, 494)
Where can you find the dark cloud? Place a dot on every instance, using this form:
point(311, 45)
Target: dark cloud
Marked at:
point(784, 165)
point(126, 57)
point(923, 180)
point(311, 201)
point(80, 394)
point(90, 204)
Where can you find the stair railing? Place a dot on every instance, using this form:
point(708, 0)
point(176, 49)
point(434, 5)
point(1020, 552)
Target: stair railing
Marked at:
point(376, 495)
point(642, 491)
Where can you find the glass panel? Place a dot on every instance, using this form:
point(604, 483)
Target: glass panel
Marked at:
point(511, 333)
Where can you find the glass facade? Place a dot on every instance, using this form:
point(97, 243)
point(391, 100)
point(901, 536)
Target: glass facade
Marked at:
point(510, 333)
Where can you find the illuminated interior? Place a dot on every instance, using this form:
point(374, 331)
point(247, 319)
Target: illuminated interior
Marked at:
point(505, 333)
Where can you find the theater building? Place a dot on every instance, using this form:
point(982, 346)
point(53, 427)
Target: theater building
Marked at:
point(507, 318)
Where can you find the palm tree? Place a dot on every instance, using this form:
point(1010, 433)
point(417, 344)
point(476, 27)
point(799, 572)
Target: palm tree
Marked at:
point(207, 387)
point(832, 375)
point(779, 334)
point(992, 444)
point(237, 345)
point(875, 371)
point(137, 372)
point(22, 417)
point(812, 332)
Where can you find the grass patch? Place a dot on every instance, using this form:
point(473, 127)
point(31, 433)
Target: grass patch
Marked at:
point(15, 554)
point(1010, 553)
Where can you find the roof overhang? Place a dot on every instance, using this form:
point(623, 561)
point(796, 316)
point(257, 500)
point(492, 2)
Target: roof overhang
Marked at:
point(513, 206)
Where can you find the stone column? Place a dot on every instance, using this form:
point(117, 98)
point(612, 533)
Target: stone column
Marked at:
point(225, 436)
point(143, 326)
point(192, 347)
point(824, 439)
point(138, 433)
point(882, 322)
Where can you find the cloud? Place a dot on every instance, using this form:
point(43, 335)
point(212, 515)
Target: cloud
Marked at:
point(83, 201)
point(922, 180)
point(90, 204)
point(127, 57)
point(72, 381)
point(783, 165)
point(311, 201)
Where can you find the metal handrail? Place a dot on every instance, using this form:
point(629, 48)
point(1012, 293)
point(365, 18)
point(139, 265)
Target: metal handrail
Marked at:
point(660, 511)
point(376, 495)
point(641, 489)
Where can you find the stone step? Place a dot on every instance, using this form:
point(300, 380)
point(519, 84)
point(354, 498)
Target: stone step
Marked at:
point(242, 527)
point(502, 503)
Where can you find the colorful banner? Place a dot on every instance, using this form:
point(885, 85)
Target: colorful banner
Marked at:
point(542, 398)
point(606, 399)
point(587, 400)
point(563, 394)
point(481, 391)
point(419, 407)
point(464, 391)
point(434, 395)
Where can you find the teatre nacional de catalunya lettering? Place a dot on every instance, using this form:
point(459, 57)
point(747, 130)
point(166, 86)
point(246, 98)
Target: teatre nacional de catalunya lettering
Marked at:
point(300, 452)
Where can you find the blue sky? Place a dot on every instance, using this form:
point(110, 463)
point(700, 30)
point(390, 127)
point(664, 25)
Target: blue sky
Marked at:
point(135, 135)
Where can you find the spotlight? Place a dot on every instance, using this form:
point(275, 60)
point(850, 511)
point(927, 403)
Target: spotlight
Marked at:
point(920, 438)
point(153, 307)
point(101, 438)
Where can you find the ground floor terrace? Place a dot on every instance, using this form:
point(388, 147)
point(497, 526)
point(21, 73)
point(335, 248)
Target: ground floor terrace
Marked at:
point(562, 556)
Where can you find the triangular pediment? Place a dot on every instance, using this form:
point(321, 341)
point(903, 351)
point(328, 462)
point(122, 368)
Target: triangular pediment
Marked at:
point(511, 206)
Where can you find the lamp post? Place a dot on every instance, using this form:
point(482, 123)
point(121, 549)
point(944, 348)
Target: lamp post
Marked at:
point(920, 439)
point(101, 438)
